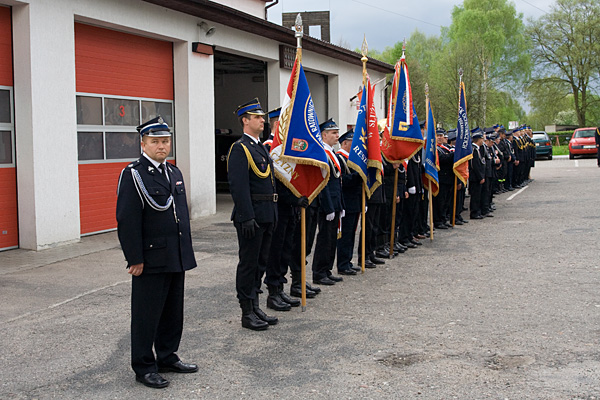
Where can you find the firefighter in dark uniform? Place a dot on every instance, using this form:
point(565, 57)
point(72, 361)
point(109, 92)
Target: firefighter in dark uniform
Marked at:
point(252, 187)
point(283, 237)
point(352, 193)
point(510, 165)
point(442, 203)
point(477, 174)
point(153, 226)
point(331, 207)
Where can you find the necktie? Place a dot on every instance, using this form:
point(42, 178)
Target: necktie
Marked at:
point(163, 171)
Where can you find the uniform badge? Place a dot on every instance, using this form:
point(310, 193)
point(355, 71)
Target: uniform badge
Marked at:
point(151, 169)
point(178, 183)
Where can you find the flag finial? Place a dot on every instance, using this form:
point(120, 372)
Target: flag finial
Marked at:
point(403, 46)
point(365, 47)
point(460, 73)
point(426, 89)
point(298, 28)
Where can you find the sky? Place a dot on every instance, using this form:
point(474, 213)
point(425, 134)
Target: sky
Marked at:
point(385, 22)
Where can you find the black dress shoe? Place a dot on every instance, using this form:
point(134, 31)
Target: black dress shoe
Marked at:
point(376, 261)
point(368, 263)
point(410, 245)
point(288, 299)
point(254, 322)
point(179, 367)
point(275, 302)
point(297, 292)
point(416, 242)
point(458, 222)
point(347, 272)
point(476, 217)
point(385, 254)
point(315, 289)
point(324, 281)
point(153, 380)
point(335, 278)
point(261, 316)
point(399, 247)
point(464, 221)
point(355, 268)
point(440, 226)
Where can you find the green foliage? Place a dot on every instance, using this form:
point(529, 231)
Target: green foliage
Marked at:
point(566, 52)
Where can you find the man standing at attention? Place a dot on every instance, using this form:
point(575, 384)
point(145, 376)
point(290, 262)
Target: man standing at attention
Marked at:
point(252, 187)
point(154, 231)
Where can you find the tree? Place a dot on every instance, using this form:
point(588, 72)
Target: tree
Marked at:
point(493, 34)
point(566, 50)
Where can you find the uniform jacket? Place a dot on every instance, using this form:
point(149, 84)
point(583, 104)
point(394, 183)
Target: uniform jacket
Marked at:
point(389, 177)
point(159, 239)
point(446, 158)
point(477, 164)
point(413, 174)
point(351, 186)
point(330, 198)
point(244, 182)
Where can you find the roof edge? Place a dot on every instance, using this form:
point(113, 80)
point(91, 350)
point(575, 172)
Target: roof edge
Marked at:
point(236, 19)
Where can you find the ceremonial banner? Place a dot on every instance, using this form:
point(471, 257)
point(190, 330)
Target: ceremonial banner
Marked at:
point(402, 137)
point(463, 150)
point(365, 154)
point(432, 164)
point(298, 153)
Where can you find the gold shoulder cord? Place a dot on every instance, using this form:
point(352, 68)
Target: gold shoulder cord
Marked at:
point(251, 164)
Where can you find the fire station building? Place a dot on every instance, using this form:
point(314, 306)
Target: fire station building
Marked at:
point(77, 77)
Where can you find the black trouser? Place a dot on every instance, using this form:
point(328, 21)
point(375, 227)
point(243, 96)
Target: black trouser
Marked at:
point(409, 214)
point(311, 222)
point(281, 246)
point(475, 188)
point(423, 212)
point(509, 174)
point(345, 244)
point(253, 254)
point(325, 246)
point(486, 195)
point(372, 217)
point(156, 319)
point(442, 203)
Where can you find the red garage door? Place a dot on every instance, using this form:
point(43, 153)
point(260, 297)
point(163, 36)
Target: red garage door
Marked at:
point(9, 232)
point(122, 80)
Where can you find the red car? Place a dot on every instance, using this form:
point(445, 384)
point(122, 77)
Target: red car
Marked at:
point(582, 143)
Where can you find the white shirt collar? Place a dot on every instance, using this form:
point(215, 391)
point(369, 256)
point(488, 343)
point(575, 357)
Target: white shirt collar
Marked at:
point(328, 147)
point(252, 137)
point(155, 163)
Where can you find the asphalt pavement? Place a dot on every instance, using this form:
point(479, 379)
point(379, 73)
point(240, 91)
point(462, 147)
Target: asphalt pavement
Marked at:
point(500, 308)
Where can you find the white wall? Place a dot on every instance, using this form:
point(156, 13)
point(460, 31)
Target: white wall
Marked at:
point(252, 7)
point(46, 134)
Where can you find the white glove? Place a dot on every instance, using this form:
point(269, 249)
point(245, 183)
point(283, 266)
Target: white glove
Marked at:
point(330, 217)
point(343, 214)
point(366, 208)
point(412, 190)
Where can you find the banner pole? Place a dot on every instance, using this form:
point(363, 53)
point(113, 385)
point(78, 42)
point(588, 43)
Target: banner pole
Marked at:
point(393, 227)
point(364, 59)
point(303, 256)
point(362, 230)
point(430, 214)
point(299, 32)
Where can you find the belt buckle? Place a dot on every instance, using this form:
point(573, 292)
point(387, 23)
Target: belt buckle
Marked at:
point(275, 197)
